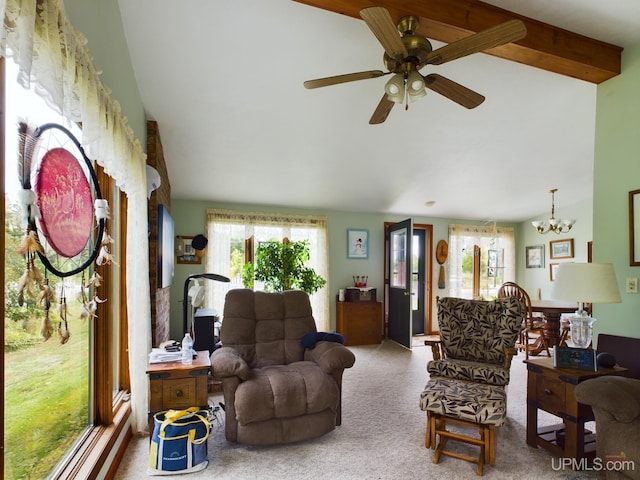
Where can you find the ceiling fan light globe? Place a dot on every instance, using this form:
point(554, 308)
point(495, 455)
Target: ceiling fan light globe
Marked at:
point(395, 88)
point(417, 94)
point(416, 86)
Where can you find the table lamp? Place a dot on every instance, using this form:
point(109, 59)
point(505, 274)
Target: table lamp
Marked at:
point(585, 283)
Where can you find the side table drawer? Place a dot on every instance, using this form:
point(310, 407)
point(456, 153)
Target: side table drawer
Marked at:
point(179, 393)
point(550, 394)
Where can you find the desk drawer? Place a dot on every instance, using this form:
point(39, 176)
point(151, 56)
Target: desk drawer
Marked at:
point(179, 393)
point(550, 394)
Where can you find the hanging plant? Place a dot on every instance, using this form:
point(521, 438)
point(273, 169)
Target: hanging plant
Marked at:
point(282, 266)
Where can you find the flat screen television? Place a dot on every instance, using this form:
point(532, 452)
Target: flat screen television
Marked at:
point(165, 247)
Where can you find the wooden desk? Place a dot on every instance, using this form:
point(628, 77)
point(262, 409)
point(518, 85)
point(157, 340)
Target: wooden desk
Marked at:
point(552, 310)
point(552, 390)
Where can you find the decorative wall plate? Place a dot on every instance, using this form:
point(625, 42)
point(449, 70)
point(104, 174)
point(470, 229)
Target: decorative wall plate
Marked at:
point(442, 251)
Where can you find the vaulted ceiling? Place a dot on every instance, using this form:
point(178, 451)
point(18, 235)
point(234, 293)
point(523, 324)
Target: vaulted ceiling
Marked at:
point(224, 81)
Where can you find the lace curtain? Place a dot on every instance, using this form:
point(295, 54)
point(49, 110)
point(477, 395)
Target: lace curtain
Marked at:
point(226, 225)
point(462, 238)
point(52, 57)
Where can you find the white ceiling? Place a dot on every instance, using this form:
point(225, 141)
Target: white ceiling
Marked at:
point(223, 79)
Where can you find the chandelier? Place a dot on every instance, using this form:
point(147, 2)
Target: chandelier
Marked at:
point(554, 224)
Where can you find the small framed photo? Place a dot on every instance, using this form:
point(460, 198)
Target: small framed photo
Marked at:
point(553, 269)
point(357, 243)
point(535, 256)
point(578, 358)
point(561, 248)
point(185, 251)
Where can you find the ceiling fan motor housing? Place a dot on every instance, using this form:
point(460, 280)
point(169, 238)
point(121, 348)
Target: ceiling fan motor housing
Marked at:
point(417, 48)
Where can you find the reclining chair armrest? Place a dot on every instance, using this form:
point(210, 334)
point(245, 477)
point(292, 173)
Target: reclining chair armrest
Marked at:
point(619, 396)
point(509, 352)
point(330, 356)
point(227, 362)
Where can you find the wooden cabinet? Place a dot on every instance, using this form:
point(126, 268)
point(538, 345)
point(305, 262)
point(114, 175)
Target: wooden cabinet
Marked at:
point(176, 386)
point(552, 389)
point(359, 322)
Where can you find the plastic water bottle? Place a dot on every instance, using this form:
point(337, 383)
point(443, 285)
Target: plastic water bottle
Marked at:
point(187, 349)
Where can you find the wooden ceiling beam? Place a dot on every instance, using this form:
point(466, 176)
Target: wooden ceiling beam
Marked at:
point(545, 46)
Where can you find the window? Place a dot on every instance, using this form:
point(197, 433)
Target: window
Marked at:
point(233, 235)
point(481, 258)
point(53, 56)
point(55, 394)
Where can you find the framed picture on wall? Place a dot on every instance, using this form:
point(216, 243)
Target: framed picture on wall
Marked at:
point(553, 269)
point(535, 256)
point(357, 243)
point(561, 248)
point(634, 228)
point(185, 251)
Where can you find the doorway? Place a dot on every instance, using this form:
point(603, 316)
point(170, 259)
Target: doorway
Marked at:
point(400, 326)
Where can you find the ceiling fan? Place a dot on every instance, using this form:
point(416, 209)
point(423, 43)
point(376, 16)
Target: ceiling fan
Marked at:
point(406, 53)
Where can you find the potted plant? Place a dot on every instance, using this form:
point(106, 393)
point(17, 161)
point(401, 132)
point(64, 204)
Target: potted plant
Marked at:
point(282, 266)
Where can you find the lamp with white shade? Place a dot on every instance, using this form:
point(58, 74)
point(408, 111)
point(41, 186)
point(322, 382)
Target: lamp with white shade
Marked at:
point(585, 283)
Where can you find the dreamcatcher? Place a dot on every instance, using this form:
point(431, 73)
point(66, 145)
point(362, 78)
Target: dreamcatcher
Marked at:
point(60, 198)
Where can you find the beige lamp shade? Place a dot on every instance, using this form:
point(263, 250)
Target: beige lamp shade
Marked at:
point(586, 283)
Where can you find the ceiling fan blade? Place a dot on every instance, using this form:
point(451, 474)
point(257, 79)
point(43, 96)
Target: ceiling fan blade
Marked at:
point(349, 77)
point(492, 37)
point(453, 91)
point(381, 24)
point(382, 111)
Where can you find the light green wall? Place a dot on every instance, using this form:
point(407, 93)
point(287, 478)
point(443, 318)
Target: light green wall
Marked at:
point(101, 23)
point(533, 279)
point(190, 219)
point(617, 171)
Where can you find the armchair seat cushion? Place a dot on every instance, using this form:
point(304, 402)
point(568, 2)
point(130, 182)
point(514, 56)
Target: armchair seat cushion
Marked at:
point(469, 370)
point(285, 391)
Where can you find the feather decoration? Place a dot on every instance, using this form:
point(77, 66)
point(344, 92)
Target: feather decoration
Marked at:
point(105, 257)
point(95, 280)
point(47, 295)
point(47, 327)
point(63, 332)
point(30, 244)
point(63, 326)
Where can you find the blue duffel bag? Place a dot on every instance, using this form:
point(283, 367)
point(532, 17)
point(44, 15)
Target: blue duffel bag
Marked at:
point(179, 442)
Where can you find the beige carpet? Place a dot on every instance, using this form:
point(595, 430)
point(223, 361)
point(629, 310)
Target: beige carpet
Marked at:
point(381, 437)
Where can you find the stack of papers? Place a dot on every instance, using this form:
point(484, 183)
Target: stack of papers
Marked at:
point(160, 355)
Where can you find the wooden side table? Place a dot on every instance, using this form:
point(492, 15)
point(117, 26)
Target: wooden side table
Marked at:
point(552, 389)
point(173, 385)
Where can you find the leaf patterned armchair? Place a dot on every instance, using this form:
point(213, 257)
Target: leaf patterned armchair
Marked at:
point(477, 339)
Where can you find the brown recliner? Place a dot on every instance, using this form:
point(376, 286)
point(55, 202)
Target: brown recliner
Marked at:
point(615, 402)
point(276, 391)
